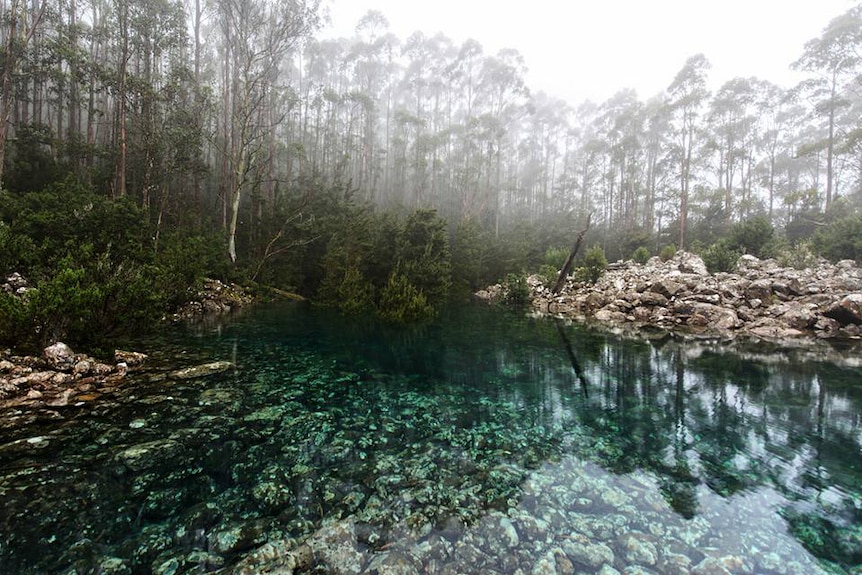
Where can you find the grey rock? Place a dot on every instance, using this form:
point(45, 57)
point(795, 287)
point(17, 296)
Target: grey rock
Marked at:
point(667, 288)
point(201, 370)
point(846, 311)
point(236, 538)
point(759, 289)
point(59, 356)
point(691, 264)
point(335, 548)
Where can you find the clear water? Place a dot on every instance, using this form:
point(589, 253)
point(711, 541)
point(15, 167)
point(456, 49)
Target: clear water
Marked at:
point(487, 441)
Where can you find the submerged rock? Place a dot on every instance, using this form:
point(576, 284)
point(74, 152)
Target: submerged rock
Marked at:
point(201, 370)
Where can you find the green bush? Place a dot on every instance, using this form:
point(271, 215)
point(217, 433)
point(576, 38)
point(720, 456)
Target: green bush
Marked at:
point(424, 255)
point(841, 239)
point(641, 255)
point(401, 302)
point(556, 257)
point(799, 256)
point(16, 322)
point(548, 273)
point(355, 294)
point(595, 264)
point(517, 290)
point(667, 253)
point(753, 236)
point(470, 258)
point(86, 300)
point(720, 257)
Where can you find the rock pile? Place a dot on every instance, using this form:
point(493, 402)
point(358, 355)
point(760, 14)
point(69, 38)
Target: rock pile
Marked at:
point(16, 284)
point(60, 376)
point(761, 298)
point(215, 297)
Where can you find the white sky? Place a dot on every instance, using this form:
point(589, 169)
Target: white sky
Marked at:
point(590, 49)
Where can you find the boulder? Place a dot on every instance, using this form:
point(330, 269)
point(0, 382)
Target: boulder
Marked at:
point(759, 289)
point(846, 311)
point(667, 288)
point(653, 299)
point(59, 356)
point(691, 264)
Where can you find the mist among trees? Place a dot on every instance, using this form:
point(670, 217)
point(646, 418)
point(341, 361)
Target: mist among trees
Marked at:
point(240, 144)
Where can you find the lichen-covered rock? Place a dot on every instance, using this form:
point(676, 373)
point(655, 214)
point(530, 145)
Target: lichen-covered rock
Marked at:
point(214, 297)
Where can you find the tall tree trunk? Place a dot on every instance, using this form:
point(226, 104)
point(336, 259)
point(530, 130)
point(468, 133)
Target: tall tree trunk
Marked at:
point(120, 175)
point(830, 148)
point(10, 67)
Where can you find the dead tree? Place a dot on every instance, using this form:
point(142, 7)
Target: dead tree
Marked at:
point(567, 267)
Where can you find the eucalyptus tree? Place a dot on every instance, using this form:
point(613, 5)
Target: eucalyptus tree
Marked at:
point(776, 110)
point(258, 35)
point(545, 138)
point(369, 55)
point(621, 125)
point(19, 27)
point(655, 137)
point(687, 95)
point(834, 59)
point(732, 120)
point(505, 93)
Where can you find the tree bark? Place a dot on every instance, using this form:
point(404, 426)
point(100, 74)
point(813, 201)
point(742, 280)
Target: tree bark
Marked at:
point(567, 267)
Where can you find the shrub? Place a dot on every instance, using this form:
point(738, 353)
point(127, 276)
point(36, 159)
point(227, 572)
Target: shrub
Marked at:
point(517, 290)
point(556, 257)
point(641, 255)
point(799, 256)
point(667, 252)
point(548, 273)
point(85, 303)
point(16, 321)
point(401, 302)
point(595, 264)
point(720, 257)
point(841, 239)
point(753, 236)
point(424, 255)
point(355, 294)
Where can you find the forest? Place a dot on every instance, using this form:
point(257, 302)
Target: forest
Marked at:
point(147, 144)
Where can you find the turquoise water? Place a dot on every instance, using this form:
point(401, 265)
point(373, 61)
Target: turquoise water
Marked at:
point(487, 441)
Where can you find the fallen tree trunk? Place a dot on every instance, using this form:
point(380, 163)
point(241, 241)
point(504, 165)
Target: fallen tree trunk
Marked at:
point(567, 267)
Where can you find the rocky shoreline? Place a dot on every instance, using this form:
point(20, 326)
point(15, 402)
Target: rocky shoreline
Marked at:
point(60, 377)
point(760, 298)
point(214, 298)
